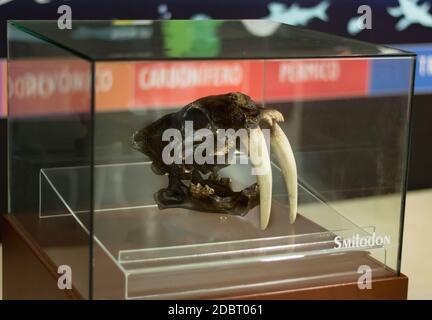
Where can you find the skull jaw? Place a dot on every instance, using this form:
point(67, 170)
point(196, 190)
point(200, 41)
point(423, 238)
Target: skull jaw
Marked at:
point(235, 203)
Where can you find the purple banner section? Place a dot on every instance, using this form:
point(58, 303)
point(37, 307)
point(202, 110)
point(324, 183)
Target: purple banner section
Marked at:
point(3, 100)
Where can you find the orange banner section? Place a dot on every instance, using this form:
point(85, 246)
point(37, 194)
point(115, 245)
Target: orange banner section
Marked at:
point(49, 86)
point(168, 84)
point(115, 86)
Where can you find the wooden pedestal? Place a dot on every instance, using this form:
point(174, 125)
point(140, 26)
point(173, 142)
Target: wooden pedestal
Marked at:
point(28, 273)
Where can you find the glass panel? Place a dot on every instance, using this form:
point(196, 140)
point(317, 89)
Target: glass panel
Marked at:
point(159, 229)
point(194, 39)
point(148, 244)
point(49, 127)
point(350, 141)
point(136, 249)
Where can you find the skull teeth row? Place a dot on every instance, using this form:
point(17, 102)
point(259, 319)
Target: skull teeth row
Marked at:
point(199, 190)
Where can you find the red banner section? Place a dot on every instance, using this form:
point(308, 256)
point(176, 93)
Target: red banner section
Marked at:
point(316, 79)
point(175, 84)
point(60, 86)
point(63, 86)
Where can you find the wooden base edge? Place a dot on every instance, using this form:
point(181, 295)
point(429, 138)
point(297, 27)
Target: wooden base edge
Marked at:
point(389, 288)
point(28, 273)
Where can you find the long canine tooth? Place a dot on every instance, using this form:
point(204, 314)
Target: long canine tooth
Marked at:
point(260, 159)
point(287, 163)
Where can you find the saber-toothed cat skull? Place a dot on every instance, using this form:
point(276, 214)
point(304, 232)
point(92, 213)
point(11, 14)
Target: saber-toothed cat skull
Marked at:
point(198, 186)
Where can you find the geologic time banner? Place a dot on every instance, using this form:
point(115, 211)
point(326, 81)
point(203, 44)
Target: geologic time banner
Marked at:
point(63, 86)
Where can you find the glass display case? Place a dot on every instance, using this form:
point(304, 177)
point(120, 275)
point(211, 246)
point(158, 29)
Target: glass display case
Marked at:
point(109, 179)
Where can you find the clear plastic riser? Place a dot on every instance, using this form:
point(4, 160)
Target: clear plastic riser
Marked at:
point(177, 253)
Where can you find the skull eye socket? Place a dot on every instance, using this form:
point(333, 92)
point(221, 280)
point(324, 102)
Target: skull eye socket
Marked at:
point(198, 117)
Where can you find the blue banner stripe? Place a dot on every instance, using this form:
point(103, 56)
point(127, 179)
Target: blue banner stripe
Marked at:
point(423, 82)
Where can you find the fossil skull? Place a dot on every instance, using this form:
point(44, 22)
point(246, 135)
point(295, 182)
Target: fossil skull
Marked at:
point(198, 186)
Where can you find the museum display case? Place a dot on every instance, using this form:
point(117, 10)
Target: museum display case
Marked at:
point(118, 173)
